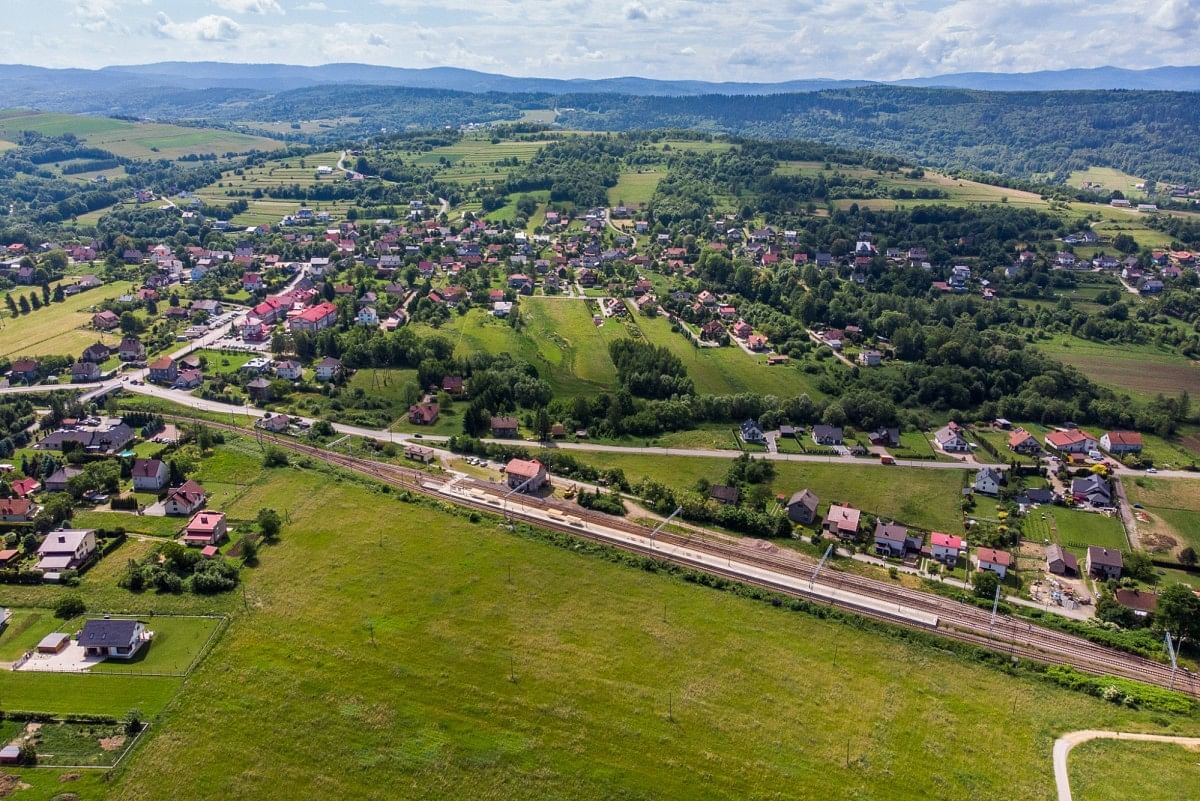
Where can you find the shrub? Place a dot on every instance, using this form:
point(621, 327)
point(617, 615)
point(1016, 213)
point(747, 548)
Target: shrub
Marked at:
point(69, 606)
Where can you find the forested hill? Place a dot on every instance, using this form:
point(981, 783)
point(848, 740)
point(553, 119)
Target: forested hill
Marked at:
point(1153, 135)
point(1150, 134)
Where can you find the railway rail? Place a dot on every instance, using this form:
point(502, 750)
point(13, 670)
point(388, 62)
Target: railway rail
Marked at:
point(954, 620)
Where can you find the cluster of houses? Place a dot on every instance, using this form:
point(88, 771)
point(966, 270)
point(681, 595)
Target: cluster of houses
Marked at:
point(76, 549)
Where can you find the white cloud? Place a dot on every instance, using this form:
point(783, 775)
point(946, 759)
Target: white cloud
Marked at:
point(1177, 16)
point(211, 28)
point(98, 15)
point(758, 40)
point(262, 7)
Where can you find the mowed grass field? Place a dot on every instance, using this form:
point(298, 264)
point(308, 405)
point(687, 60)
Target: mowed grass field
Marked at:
point(911, 495)
point(474, 158)
point(1109, 178)
point(635, 188)
point(1109, 770)
point(1140, 370)
point(60, 328)
point(1075, 529)
point(393, 638)
point(142, 140)
point(558, 337)
point(728, 370)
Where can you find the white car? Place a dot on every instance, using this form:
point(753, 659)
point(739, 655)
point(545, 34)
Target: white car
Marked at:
point(1151, 469)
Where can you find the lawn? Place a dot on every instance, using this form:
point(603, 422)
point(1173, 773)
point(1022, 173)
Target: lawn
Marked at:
point(1111, 770)
point(1075, 529)
point(1124, 368)
point(729, 370)
point(134, 524)
point(85, 693)
point(392, 636)
point(60, 328)
point(177, 643)
point(912, 495)
point(25, 630)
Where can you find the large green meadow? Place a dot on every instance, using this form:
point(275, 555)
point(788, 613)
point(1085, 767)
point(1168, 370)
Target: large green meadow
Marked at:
point(427, 653)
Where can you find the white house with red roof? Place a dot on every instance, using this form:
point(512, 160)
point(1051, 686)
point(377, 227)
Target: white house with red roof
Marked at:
point(1122, 442)
point(842, 521)
point(1071, 440)
point(184, 499)
point(994, 560)
point(945, 547)
point(314, 318)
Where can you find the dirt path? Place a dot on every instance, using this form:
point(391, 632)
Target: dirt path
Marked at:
point(1127, 516)
point(1064, 744)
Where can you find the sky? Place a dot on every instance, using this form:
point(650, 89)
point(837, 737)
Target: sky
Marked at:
point(744, 40)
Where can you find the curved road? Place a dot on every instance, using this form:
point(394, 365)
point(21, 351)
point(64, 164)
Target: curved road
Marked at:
point(1064, 744)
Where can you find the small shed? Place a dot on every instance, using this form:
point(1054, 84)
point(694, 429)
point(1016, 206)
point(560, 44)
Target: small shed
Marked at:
point(53, 643)
point(10, 755)
point(210, 552)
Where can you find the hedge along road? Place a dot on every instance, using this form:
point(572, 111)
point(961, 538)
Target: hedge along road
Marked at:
point(1064, 744)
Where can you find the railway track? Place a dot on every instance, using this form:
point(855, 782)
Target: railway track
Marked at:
point(955, 620)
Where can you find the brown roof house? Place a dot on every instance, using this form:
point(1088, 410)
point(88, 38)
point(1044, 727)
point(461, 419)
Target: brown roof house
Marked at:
point(529, 475)
point(504, 427)
point(802, 507)
point(1060, 561)
point(1104, 563)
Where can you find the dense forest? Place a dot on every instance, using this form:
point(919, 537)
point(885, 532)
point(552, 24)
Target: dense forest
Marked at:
point(1150, 134)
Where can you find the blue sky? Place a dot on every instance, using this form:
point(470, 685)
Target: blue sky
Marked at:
point(706, 39)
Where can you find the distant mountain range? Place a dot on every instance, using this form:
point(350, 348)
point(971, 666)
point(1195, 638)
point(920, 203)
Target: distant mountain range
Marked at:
point(59, 87)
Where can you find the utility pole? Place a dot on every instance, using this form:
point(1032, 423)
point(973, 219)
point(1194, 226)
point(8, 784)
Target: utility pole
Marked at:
point(995, 605)
point(663, 524)
point(820, 565)
point(1174, 664)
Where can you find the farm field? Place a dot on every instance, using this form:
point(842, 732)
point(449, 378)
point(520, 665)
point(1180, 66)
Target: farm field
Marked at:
point(910, 495)
point(578, 678)
point(635, 188)
point(959, 190)
point(141, 140)
point(1109, 178)
point(558, 338)
point(474, 159)
point(301, 171)
point(1112, 770)
point(60, 327)
point(1123, 368)
point(729, 370)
